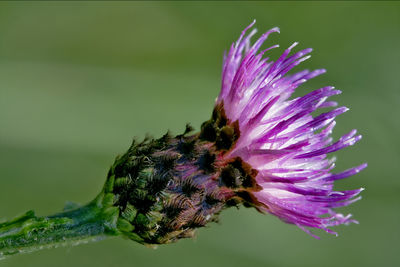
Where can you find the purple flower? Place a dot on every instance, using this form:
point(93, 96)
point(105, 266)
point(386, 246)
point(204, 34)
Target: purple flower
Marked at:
point(281, 139)
point(260, 148)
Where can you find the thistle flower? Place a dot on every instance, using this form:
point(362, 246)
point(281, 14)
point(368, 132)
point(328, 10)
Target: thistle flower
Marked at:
point(260, 149)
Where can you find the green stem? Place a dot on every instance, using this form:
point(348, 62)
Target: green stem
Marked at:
point(28, 233)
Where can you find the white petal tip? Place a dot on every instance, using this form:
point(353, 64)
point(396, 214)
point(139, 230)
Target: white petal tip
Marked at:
point(322, 70)
point(293, 45)
point(363, 166)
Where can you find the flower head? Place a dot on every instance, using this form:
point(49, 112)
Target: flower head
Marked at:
point(260, 148)
point(280, 138)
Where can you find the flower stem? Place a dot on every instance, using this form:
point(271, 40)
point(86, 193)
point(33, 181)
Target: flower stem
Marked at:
point(28, 233)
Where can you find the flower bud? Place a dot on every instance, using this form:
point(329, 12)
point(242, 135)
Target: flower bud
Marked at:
point(166, 188)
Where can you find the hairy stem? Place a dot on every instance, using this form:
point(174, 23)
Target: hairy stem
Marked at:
point(28, 232)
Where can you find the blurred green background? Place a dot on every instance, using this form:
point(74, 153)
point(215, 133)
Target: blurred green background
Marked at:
point(79, 80)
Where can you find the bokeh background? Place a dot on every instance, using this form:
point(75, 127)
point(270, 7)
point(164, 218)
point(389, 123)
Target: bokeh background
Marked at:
point(79, 80)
